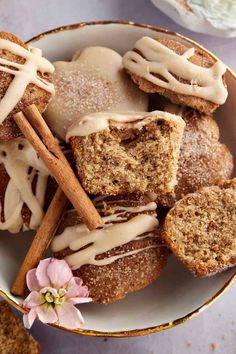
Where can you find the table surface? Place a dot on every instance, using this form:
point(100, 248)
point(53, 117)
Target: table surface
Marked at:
point(214, 330)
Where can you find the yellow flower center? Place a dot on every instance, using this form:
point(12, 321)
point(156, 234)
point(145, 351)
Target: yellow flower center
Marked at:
point(52, 296)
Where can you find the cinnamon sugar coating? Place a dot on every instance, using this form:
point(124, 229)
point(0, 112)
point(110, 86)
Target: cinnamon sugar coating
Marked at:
point(33, 94)
point(199, 58)
point(94, 81)
point(203, 159)
point(112, 282)
point(200, 229)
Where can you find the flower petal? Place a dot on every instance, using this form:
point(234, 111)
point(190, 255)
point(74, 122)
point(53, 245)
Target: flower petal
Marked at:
point(59, 272)
point(69, 316)
point(79, 300)
point(41, 273)
point(32, 300)
point(75, 288)
point(29, 318)
point(32, 281)
point(78, 281)
point(46, 314)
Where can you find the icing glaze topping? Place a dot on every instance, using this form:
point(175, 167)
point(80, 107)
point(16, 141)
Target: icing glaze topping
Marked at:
point(95, 122)
point(22, 165)
point(24, 74)
point(113, 234)
point(157, 59)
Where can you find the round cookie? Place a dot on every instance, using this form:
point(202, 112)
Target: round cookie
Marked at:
point(203, 159)
point(136, 263)
point(93, 81)
point(32, 95)
point(172, 72)
point(200, 229)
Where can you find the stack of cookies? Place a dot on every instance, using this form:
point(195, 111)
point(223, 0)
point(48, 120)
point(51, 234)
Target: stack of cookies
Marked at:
point(159, 157)
point(134, 162)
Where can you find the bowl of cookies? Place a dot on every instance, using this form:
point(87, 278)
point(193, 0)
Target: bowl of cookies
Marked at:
point(117, 147)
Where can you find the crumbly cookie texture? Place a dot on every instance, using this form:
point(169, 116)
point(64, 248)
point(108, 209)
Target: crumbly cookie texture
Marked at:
point(13, 337)
point(199, 58)
point(127, 159)
point(112, 282)
point(200, 229)
point(33, 94)
point(203, 159)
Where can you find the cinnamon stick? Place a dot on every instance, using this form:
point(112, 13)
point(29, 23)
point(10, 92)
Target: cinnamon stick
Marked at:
point(50, 152)
point(41, 241)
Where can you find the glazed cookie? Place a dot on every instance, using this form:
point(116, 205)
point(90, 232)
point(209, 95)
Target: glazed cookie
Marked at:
point(93, 81)
point(18, 90)
point(25, 188)
point(203, 159)
point(185, 75)
point(200, 229)
point(128, 152)
point(124, 256)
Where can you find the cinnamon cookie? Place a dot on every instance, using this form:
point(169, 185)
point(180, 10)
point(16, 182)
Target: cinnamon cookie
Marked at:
point(203, 159)
point(25, 189)
point(93, 81)
point(186, 76)
point(25, 79)
point(200, 229)
point(127, 152)
point(124, 256)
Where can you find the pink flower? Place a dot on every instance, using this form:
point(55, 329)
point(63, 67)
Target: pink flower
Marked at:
point(54, 292)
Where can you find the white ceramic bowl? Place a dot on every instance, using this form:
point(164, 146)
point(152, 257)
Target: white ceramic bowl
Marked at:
point(186, 18)
point(177, 296)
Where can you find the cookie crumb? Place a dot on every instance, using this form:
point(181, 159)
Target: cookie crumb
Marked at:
point(214, 346)
point(189, 344)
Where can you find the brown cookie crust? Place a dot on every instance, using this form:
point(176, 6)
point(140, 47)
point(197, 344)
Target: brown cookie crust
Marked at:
point(199, 58)
point(203, 159)
point(14, 339)
point(114, 281)
point(33, 94)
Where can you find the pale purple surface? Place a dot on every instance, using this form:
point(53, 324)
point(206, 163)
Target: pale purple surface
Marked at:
point(217, 324)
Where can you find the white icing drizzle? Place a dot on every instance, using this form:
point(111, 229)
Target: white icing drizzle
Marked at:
point(12, 209)
point(18, 156)
point(95, 122)
point(151, 235)
point(158, 59)
point(24, 74)
point(112, 235)
point(139, 209)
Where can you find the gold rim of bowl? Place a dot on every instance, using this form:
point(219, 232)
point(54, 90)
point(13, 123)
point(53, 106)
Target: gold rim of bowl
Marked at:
point(162, 327)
